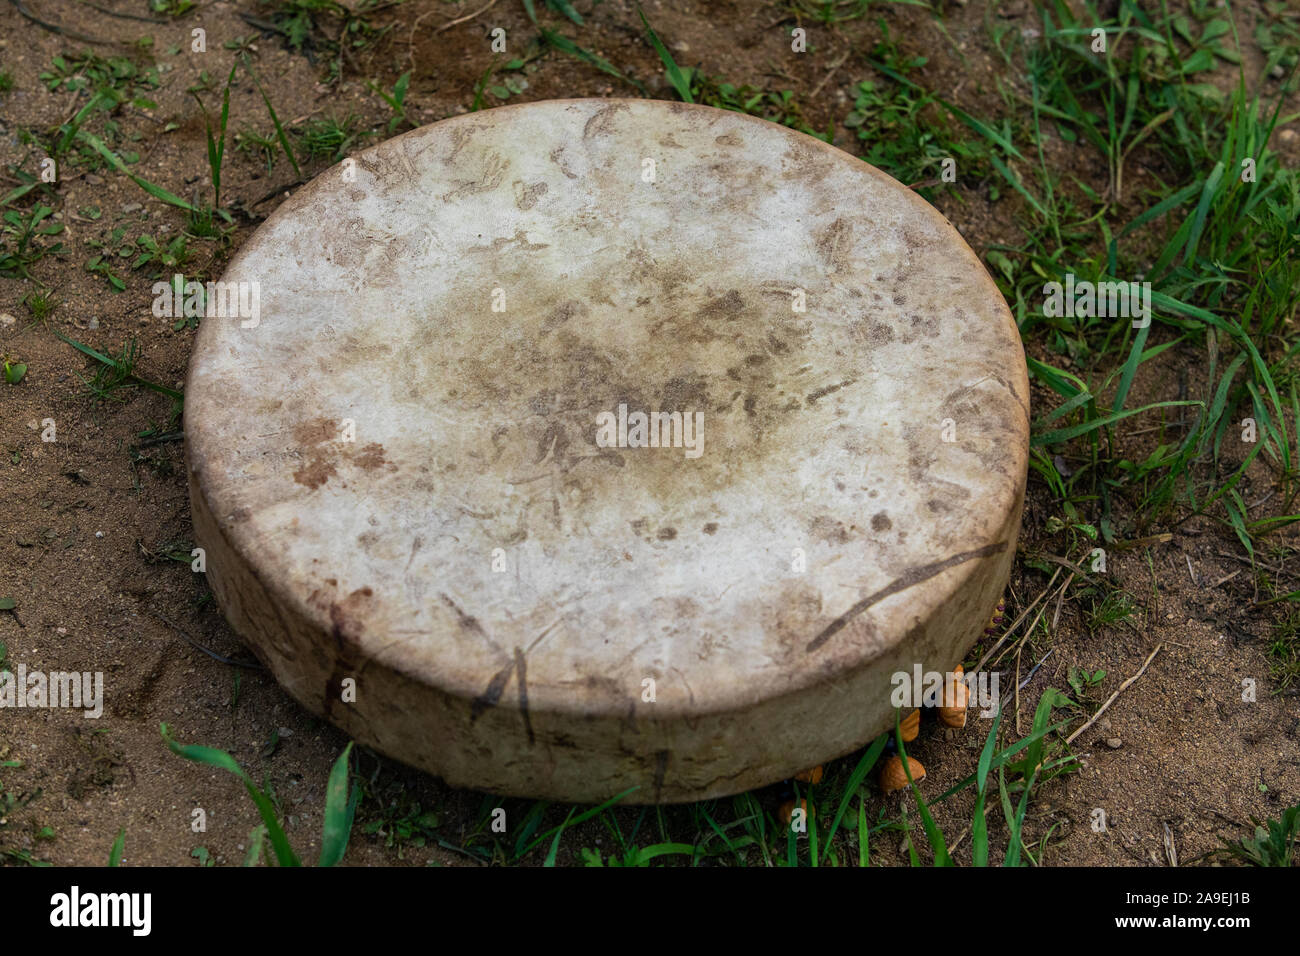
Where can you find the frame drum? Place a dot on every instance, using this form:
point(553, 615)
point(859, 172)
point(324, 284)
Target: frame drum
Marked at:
point(595, 447)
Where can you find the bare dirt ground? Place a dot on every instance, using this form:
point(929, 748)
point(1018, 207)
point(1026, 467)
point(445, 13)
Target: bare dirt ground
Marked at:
point(96, 527)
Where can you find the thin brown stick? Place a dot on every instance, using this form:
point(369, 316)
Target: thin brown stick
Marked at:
point(206, 650)
point(1017, 690)
point(1064, 562)
point(61, 31)
point(1016, 623)
point(1163, 538)
point(829, 73)
point(469, 16)
point(1225, 579)
point(1025, 636)
point(1060, 599)
point(1110, 700)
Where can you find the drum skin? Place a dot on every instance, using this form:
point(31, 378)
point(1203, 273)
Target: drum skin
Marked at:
point(409, 513)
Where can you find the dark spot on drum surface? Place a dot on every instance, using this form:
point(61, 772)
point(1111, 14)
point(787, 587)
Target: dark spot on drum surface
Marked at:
point(833, 244)
point(315, 473)
point(881, 522)
point(826, 528)
point(526, 195)
point(317, 431)
point(666, 534)
point(726, 307)
point(711, 528)
point(371, 457)
point(347, 617)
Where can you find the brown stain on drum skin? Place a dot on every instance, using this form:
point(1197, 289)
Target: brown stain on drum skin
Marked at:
point(312, 434)
point(346, 627)
point(833, 244)
point(907, 579)
point(601, 121)
point(661, 770)
point(470, 623)
point(492, 693)
point(315, 473)
point(527, 194)
point(491, 175)
point(828, 390)
point(521, 666)
point(317, 431)
point(370, 457)
point(555, 157)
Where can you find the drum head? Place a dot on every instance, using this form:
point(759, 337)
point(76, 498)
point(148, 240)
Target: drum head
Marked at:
point(593, 446)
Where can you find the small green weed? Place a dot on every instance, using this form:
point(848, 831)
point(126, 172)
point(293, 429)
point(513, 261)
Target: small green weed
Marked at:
point(340, 805)
point(1271, 845)
point(22, 240)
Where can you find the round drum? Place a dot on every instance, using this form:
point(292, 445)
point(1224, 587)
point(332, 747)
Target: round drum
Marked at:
point(597, 447)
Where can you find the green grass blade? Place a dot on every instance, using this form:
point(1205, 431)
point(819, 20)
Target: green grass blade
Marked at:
point(115, 854)
point(340, 810)
point(1013, 846)
point(116, 162)
point(565, 45)
point(566, 8)
point(1074, 431)
point(679, 79)
point(279, 129)
point(255, 840)
point(855, 781)
point(986, 755)
point(864, 852)
point(648, 853)
point(812, 834)
point(582, 817)
point(555, 844)
point(932, 832)
point(213, 757)
point(979, 834)
point(1135, 358)
point(132, 378)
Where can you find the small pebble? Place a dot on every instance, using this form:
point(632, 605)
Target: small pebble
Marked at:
point(99, 534)
point(6, 319)
point(93, 180)
point(132, 207)
point(93, 323)
point(1114, 743)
